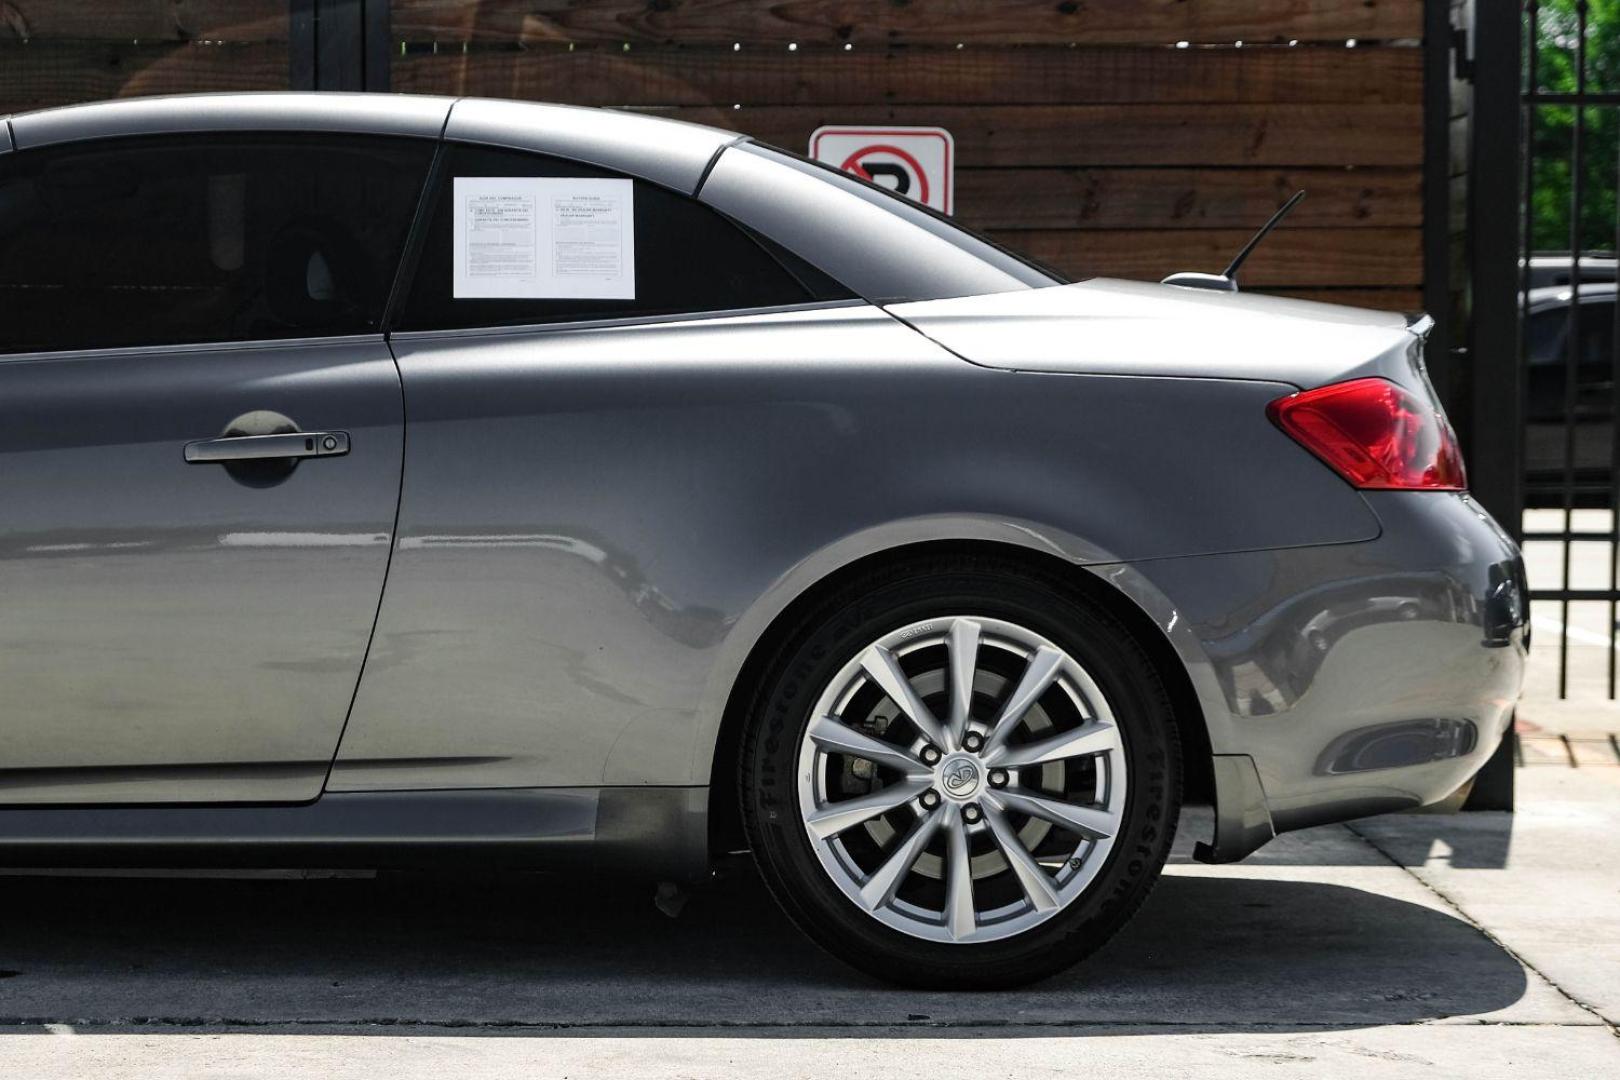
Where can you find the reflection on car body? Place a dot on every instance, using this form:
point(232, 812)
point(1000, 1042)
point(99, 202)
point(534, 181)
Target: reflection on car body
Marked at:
point(398, 480)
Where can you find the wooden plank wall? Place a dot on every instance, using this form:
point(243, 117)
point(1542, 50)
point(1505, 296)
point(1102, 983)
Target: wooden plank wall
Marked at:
point(1085, 136)
point(57, 52)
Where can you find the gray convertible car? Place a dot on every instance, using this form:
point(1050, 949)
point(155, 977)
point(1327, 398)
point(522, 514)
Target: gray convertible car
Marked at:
point(397, 480)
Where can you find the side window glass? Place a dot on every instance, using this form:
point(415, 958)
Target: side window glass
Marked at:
point(216, 238)
point(543, 240)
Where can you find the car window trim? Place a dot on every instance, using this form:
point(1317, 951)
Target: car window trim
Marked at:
point(38, 355)
point(625, 322)
point(411, 253)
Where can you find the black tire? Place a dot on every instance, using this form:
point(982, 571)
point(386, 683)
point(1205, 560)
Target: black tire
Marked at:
point(1493, 785)
point(859, 613)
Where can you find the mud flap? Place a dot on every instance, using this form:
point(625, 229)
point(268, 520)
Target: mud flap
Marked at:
point(1242, 821)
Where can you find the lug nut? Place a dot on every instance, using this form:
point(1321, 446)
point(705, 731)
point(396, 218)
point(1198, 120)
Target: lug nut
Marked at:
point(970, 814)
point(930, 755)
point(998, 777)
point(930, 798)
point(973, 742)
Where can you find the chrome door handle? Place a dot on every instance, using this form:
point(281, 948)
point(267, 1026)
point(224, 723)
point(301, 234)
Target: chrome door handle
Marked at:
point(295, 444)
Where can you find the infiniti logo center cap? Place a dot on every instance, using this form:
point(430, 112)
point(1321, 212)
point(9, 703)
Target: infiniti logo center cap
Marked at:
point(960, 777)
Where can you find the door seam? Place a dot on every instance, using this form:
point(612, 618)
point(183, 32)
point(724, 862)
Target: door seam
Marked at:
point(388, 568)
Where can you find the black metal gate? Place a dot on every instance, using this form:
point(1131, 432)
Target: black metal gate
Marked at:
point(1541, 318)
point(1568, 367)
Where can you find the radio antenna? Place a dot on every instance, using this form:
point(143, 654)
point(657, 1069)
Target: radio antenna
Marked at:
point(1265, 230)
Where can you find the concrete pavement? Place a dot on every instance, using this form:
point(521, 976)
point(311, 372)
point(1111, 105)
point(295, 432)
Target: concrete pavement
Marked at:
point(1480, 1053)
point(1394, 947)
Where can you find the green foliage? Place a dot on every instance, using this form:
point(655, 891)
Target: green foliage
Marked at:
point(1557, 33)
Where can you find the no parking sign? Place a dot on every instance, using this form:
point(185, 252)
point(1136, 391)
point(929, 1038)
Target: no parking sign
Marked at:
point(916, 162)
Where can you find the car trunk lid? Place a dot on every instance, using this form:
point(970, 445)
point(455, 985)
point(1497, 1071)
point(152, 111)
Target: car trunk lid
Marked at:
point(1112, 327)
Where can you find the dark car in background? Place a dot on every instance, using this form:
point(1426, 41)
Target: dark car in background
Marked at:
point(1569, 439)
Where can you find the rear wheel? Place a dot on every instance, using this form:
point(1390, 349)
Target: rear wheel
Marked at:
point(960, 774)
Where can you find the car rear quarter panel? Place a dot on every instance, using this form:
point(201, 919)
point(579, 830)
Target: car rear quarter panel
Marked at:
point(597, 524)
point(1360, 678)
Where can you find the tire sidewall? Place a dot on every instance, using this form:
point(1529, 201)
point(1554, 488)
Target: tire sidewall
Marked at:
point(851, 623)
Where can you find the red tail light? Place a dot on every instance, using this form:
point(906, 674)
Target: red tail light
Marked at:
point(1375, 435)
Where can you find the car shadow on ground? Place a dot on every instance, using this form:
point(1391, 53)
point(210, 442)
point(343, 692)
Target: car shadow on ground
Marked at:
point(1465, 841)
point(562, 953)
point(1471, 841)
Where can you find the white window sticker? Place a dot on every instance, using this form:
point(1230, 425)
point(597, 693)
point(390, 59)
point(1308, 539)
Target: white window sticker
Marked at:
point(544, 238)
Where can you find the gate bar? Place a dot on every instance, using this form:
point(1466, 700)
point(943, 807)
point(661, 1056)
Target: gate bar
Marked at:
point(1497, 391)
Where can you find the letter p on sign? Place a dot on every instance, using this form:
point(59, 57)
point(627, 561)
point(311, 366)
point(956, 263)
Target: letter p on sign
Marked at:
point(916, 162)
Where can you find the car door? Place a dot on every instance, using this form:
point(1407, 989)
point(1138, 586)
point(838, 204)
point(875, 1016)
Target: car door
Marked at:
point(201, 433)
point(563, 371)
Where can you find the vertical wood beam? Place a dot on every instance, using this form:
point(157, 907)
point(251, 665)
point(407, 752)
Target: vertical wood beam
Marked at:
point(339, 45)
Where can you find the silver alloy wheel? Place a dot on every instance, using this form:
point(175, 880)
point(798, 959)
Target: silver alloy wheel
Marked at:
point(962, 779)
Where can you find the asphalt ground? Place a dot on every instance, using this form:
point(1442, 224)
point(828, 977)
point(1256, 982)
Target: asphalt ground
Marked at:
point(1477, 944)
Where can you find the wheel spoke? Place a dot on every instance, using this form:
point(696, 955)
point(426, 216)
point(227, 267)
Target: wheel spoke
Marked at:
point(964, 650)
point(1091, 737)
point(839, 738)
point(1039, 674)
point(900, 697)
point(885, 881)
point(1090, 822)
point(959, 913)
point(1034, 881)
point(880, 664)
point(834, 818)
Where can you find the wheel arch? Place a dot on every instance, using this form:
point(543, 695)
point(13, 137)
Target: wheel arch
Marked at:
point(725, 821)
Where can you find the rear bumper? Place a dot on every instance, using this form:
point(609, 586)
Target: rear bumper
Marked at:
point(1357, 678)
